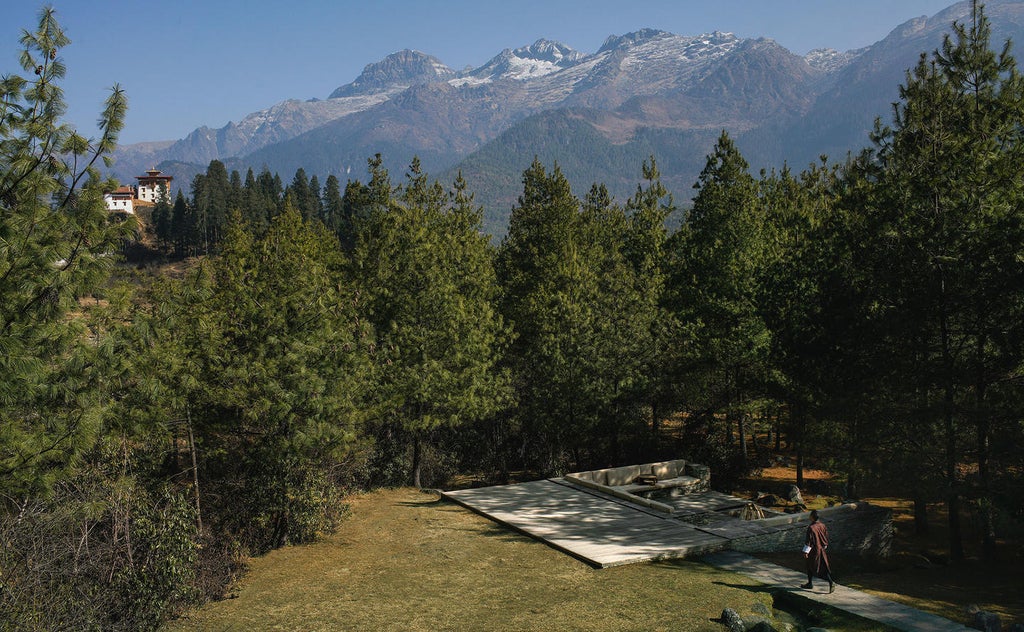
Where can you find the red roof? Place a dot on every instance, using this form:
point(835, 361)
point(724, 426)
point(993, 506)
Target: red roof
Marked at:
point(153, 174)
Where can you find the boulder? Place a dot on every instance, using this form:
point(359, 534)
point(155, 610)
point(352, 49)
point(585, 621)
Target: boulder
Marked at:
point(732, 621)
point(761, 609)
point(794, 495)
point(983, 620)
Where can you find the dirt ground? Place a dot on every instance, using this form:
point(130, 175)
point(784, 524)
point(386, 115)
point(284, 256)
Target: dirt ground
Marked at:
point(406, 560)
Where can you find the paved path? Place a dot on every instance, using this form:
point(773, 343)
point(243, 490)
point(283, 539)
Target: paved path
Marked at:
point(861, 604)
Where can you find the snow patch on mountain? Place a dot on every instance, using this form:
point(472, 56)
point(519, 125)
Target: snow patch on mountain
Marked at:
point(830, 60)
point(682, 52)
point(541, 58)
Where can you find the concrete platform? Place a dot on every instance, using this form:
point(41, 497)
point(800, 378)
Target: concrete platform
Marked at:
point(600, 530)
point(604, 530)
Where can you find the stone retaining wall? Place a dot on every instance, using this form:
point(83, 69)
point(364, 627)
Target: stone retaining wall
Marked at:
point(860, 528)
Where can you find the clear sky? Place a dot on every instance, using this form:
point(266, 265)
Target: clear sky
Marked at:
point(187, 63)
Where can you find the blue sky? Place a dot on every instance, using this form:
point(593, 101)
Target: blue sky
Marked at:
point(187, 63)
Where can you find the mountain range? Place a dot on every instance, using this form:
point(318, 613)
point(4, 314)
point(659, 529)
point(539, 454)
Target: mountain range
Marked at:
point(598, 115)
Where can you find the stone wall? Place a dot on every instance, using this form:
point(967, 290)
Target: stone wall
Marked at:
point(859, 528)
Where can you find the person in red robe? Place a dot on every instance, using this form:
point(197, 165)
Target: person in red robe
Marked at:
point(815, 545)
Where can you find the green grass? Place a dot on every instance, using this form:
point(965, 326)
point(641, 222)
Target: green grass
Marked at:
point(405, 560)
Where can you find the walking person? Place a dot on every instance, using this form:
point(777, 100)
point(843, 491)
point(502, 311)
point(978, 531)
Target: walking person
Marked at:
point(815, 545)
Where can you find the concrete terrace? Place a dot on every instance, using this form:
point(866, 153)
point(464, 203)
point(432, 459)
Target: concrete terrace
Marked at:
point(604, 530)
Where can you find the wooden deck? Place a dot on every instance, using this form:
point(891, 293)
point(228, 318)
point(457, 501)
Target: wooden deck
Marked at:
point(598, 529)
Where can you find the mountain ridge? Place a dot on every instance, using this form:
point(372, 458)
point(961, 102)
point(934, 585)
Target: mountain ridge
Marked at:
point(781, 107)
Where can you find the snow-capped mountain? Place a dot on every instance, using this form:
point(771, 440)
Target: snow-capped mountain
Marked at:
point(543, 57)
point(598, 114)
point(829, 60)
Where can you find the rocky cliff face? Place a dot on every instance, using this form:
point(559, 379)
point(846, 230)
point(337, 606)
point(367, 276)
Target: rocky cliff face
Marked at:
point(395, 73)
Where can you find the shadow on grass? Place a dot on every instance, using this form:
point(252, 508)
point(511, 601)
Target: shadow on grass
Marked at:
point(756, 588)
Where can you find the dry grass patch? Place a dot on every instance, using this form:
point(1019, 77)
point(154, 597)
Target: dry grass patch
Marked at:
point(405, 560)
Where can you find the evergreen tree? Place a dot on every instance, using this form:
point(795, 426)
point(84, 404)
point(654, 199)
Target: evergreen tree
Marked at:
point(316, 202)
point(270, 197)
point(532, 272)
point(333, 205)
point(583, 331)
point(946, 217)
point(211, 197)
point(162, 219)
point(361, 201)
point(301, 196)
point(265, 343)
point(426, 271)
point(57, 246)
point(718, 253)
point(644, 246)
point(181, 228)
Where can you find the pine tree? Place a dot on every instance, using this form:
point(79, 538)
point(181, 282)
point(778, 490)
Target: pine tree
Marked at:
point(162, 218)
point(301, 196)
point(333, 204)
point(56, 244)
point(718, 253)
point(946, 216)
point(261, 349)
point(541, 285)
point(181, 225)
point(645, 246)
point(428, 279)
point(211, 199)
point(316, 202)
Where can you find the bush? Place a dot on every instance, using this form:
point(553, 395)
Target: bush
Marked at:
point(100, 553)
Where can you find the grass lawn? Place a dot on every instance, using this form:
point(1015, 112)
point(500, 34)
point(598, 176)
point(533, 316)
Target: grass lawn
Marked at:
point(405, 560)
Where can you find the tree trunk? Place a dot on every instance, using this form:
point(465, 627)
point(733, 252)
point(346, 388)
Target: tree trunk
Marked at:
point(798, 442)
point(743, 441)
point(956, 547)
point(983, 434)
point(920, 514)
point(195, 472)
point(417, 459)
point(800, 465)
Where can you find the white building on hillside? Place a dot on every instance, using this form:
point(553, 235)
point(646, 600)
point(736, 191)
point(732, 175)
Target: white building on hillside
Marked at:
point(121, 200)
point(151, 184)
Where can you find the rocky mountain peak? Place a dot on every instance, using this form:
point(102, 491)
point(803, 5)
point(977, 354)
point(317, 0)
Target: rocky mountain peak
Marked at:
point(548, 50)
point(527, 62)
point(690, 48)
point(829, 60)
point(631, 39)
point(396, 72)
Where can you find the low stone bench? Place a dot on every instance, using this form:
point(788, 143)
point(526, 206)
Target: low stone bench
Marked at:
point(624, 482)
